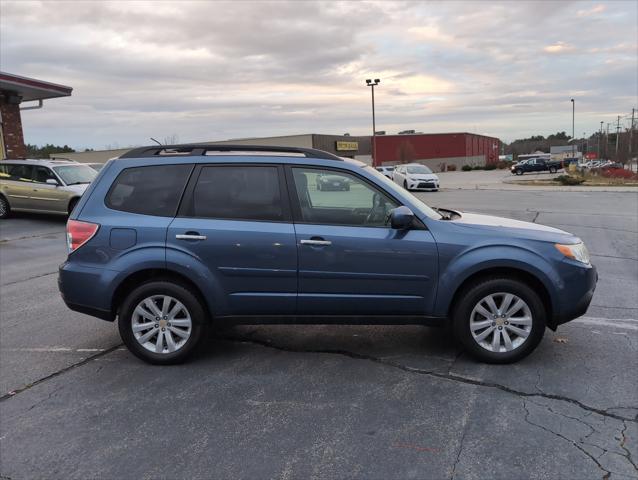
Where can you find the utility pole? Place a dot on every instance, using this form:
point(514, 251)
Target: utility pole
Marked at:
point(631, 134)
point(573, 119)
point(372, 84)
point(617, 136)
point(600, 134)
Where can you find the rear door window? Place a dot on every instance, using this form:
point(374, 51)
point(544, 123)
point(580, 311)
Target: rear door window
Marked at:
point(21, 173)
point(153, 190)
point(238, 192)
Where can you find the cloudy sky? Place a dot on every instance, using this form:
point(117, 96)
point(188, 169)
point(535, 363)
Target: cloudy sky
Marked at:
point(215, 70)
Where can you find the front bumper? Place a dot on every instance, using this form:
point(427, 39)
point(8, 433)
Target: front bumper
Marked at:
point(579, 289)
point(424, 185)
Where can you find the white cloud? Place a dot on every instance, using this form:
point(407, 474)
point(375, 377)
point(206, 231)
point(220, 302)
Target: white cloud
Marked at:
point(213, 70)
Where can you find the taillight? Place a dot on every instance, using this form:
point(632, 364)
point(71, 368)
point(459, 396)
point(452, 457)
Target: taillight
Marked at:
point(78, 233)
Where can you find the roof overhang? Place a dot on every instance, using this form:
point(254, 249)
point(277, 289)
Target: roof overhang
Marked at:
point(30, 89)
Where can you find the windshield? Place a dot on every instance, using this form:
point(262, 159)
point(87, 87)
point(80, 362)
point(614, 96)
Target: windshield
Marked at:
point(418, 169)
point(75, 174)
point(393, 188)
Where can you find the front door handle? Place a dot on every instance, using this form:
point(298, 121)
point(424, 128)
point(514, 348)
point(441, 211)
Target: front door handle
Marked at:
point(190, 236)
point(316, 242)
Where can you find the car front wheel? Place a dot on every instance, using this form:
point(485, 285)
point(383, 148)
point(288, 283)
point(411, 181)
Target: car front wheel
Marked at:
point(519, 172)
point(5, 208)
point(161, 322)
point(552, 170)
point(499, 320)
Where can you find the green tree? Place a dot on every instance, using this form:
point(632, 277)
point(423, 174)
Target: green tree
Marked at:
point(33, 151)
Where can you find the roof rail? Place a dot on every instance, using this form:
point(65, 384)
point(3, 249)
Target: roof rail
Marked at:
point(201, 149)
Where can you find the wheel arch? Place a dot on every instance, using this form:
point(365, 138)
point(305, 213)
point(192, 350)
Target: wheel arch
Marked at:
point(156, 274)
point(515, 273)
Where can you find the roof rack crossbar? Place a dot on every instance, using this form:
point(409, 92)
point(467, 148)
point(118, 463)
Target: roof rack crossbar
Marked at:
point(201, 149)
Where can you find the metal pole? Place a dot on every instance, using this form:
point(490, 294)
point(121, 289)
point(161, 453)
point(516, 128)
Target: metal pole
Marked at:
point(617, 135)
point(573, 123)
point(600, 134)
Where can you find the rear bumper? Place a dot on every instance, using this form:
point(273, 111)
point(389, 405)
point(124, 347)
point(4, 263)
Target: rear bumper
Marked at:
point(577, 294)
point(86, 290)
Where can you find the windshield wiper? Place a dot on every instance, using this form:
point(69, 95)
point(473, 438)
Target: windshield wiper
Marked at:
point(76, 183)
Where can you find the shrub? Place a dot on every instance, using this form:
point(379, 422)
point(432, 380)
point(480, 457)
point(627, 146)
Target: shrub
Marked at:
point(619, 173)
point(569, 180)
point(466, 168)
point(451, 168)
point(478, 167)
point(503, 164)
point(490, 166)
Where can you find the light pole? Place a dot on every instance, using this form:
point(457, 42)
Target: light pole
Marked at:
point(573, 118)
point(600, 134)
point(372, 84)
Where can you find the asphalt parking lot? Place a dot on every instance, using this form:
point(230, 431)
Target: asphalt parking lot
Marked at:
point(325, 401)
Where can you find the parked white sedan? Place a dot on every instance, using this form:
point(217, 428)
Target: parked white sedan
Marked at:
point(414, 176)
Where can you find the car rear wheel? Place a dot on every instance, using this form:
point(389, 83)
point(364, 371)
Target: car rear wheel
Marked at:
point(499, 320)
point(552, 169)
point(161, 322)
point(5, 208)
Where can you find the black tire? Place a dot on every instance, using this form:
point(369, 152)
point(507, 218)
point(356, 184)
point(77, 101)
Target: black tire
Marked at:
point(180, 293)
point(405, 185)
point(519, 172)
point(473, 294)
point(5, 208)
point(552, 170)
point(72, 204)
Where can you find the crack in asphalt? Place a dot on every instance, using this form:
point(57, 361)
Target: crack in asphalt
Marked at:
point(445, 376)
point(458, 455)
point(536, 217)
point(29, 278)
point(24, 388)
point(607, 473)
point(27, 237)
point(622, 445)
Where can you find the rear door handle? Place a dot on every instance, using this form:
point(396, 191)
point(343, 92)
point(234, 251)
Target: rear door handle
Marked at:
point(190, 236)
point(316, 242)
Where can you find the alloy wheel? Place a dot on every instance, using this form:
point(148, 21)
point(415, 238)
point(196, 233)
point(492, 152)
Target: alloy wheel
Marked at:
point(161, 324)
point(501, 322)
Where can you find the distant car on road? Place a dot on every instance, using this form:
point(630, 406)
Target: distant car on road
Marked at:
point(387, 171)
point(332, 182)
point(415, 176)
point(535, 165)
point(43, 186)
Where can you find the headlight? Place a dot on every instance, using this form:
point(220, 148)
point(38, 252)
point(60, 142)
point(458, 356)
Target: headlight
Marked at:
point(577, 251)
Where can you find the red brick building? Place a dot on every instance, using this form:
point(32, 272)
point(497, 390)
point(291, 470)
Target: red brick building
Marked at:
point(436, 150)
point(14, 90)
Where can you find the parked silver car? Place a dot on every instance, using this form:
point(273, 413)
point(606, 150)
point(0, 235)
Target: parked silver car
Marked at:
point(45, 186)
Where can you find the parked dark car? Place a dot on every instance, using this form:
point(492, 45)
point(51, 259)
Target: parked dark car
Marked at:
point(332, 182)
point(171, 241)
point(536, 165)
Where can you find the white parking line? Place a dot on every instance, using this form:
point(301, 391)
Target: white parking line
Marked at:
point(53, 349)
point(622, 323)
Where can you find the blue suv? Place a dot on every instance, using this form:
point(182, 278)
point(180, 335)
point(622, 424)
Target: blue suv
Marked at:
point(173, 239)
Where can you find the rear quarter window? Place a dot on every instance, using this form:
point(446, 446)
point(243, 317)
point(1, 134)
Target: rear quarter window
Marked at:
point(153, 190)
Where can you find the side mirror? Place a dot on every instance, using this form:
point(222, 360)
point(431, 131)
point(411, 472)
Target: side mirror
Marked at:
point(52, 181)
point(401, 218)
